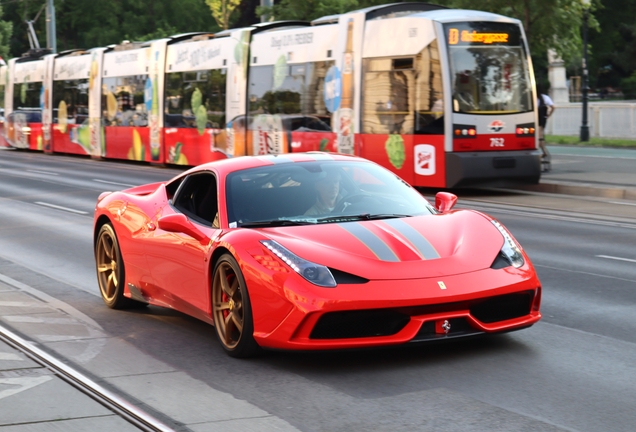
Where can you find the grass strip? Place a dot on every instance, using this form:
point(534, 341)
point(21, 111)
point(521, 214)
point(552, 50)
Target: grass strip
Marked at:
point(593, 142)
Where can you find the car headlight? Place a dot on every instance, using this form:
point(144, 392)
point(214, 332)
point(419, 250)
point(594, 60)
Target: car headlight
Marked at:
point(317, 274)
point(510, 249)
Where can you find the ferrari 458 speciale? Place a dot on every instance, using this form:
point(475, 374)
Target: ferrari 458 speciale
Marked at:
point(311, 251)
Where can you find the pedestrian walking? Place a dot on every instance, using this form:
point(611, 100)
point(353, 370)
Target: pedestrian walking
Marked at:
point(545, 109)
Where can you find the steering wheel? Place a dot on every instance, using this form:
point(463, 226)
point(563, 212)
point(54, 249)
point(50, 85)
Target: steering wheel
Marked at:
point(343, 203)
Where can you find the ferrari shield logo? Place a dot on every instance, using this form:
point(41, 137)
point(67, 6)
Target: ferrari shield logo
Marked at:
point(442, 285)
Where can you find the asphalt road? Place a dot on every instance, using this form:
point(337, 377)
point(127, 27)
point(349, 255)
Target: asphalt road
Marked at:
point(572, 371)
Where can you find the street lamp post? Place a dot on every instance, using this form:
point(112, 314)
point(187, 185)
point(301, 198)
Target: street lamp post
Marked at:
point(585, 129)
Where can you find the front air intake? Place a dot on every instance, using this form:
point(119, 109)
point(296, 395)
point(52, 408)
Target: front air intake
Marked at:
point(359, 324)
point(502, 308)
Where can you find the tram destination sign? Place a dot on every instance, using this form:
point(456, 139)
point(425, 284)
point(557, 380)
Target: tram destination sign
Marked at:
point(479, 33)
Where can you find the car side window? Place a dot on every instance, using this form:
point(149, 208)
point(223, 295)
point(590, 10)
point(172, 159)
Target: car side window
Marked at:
point(197, 198)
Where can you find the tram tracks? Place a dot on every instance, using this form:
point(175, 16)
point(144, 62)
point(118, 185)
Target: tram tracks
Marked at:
point(116, 404)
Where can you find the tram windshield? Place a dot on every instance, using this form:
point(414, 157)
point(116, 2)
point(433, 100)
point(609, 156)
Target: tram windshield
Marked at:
point(489, 68)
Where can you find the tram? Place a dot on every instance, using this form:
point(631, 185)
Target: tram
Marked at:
point(442, 97)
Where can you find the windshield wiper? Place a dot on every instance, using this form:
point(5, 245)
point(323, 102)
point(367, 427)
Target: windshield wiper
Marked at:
point(275, 223)
point(362, 216)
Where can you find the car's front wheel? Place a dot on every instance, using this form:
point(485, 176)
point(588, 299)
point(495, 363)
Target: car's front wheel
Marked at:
point(232, 310)
point(110, 269)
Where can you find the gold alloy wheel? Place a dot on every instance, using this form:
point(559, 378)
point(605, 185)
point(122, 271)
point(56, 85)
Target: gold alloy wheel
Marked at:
point(229, 317)
point(107, 257)
point(110, 270)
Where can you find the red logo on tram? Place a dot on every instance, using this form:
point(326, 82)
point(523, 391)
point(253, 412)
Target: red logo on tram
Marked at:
point(496, 126)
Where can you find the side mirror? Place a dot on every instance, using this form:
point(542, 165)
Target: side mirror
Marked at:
point(444, 201)
point(179, 223)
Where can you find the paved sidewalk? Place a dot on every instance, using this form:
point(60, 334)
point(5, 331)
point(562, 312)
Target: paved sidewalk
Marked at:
point(589, 171)
point(33, 397)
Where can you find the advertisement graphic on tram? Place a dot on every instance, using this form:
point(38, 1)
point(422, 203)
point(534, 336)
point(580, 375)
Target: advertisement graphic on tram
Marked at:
point(196, 82)
point(441, 97)
point(69, 132)
point(24, 99)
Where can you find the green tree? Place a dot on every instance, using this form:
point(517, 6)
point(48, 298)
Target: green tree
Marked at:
point(549, 24)
point(614, 45)
point(6, 28)
point(309, 9)
point(222, 11)
point(87, 24)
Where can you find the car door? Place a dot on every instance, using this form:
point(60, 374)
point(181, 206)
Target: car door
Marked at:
point(178, 262)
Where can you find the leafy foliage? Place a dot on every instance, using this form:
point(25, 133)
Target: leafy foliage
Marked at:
point(548, 24)
point(309, 9)
point(222, 11)
point(5, 33)
point(614, 46)
point(87, 24)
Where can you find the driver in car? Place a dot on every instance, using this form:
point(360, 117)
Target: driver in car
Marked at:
point(328, 194)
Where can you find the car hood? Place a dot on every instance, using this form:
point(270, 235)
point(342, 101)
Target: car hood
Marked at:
point(407, 248)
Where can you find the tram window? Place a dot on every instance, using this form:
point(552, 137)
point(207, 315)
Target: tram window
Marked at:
point(2, 102)
point(123, 102)
point(74, 94)
point(403, 95)
point(27, 95)
point(275, 91)
point(187, 92)
point(295, 90)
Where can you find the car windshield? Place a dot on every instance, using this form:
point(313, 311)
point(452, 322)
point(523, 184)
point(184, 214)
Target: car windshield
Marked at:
point(319, 192)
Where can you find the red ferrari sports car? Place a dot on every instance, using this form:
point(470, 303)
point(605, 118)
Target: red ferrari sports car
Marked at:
point(311, 251)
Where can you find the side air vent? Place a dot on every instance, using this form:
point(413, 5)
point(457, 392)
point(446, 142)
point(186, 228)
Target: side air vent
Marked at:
point(500, 262)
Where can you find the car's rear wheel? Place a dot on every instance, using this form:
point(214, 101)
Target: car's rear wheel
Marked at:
point(232, 310)
point(110, 270)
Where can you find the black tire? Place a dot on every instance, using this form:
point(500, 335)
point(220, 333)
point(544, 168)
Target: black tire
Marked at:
point(111, 274)
point(231, 309)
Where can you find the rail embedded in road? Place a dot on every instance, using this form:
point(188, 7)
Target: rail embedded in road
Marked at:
point(108, 399)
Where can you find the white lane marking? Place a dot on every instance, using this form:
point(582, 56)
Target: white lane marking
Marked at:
point(43, 172)
point(622, 203)
point(616, 258)
point(66, 209)
point(113, 183)
point(10, 357)
point(22, 383)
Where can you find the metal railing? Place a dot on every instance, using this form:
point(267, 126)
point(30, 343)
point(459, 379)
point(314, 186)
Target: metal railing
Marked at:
point(606, 119)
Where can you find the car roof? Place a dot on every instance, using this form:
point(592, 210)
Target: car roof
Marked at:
point(226, 166)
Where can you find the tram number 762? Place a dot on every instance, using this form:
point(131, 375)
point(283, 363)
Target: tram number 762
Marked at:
point(496, 142)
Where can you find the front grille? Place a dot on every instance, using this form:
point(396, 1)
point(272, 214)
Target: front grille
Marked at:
point(503, 307)
point(359, 324)
point(459, 327)
point(386, 322)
